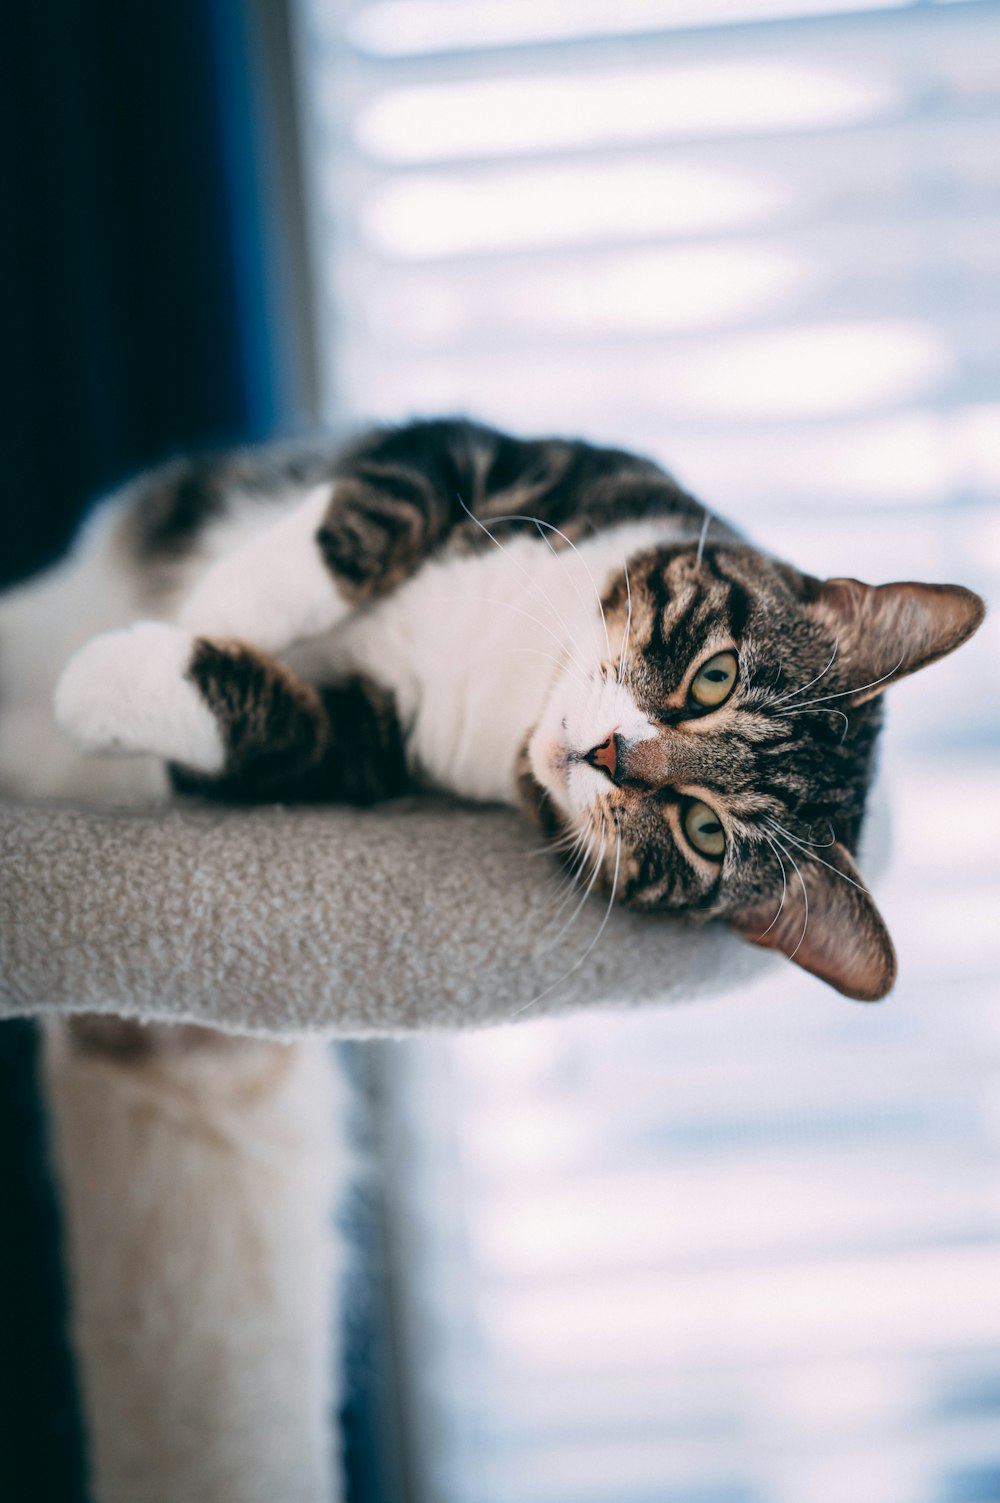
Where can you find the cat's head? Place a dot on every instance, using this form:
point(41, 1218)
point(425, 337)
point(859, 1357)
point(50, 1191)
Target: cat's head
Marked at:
point(716, 760)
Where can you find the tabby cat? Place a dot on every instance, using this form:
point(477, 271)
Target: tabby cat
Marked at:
point(543, 623)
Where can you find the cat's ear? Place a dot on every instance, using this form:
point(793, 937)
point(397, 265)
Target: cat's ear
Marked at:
point(886, 631)
point(825, 921)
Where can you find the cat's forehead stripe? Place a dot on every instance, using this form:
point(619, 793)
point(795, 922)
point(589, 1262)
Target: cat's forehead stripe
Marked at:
point(711, 592)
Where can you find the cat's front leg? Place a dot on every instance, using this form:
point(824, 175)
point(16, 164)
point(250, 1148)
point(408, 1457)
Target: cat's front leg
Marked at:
point(274, 590)
point(351, 540)
point(233, 722)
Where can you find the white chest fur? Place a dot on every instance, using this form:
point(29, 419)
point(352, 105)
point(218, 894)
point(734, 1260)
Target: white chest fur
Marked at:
point(470, 647)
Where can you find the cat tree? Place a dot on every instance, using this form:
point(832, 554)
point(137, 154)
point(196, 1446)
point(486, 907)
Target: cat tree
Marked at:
point(199, 1179)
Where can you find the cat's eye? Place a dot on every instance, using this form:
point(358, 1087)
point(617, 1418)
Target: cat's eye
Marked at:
point(703, 828)
point(715, 680)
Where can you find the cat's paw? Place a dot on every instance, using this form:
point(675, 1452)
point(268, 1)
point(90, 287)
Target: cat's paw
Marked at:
point(127, 692)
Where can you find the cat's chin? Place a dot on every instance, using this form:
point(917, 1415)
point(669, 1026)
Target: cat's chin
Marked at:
point(535, 798)
point(569, 784)
point(549, 758)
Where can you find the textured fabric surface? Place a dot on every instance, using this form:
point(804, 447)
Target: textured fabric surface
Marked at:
point(415, 916)
point(199, 1187)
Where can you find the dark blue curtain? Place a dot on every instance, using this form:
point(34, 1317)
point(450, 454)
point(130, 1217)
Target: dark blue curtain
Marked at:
point(138, 308)
point(141, 313)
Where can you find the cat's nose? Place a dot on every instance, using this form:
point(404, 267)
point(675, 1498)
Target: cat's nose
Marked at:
point(605, 755)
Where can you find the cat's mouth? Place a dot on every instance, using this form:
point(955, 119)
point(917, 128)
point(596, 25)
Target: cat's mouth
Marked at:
point(573, 750)
point(549, 758)
point(572, 777)
point(557, 757)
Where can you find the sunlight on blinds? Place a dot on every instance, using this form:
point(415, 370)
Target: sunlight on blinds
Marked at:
point(750, 1252)
point(817, 195)
point(546, 112)
point(396, 29)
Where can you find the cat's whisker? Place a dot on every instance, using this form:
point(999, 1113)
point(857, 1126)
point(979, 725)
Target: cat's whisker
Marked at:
point(555, 894)
point(554, 907)
point(572, 866)
point(576, 863)
point(508, 605)
point(805, 898)
point(784, 886)
point(586, 894)
point(587, 952)
point(538, 652)
point(565, 849)
point(706, 524)
point(811, 856)
point(794, 693)
point(524, 572)
point(858, 689)
point(807, 710)
point(556, 888)
point(574, 859)
point(820, 844)
point(544, 528)
point(628, 624)
point(551, 527)
point(570, 836)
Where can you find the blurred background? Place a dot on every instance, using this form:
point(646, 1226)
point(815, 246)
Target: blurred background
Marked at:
point(743, 1253)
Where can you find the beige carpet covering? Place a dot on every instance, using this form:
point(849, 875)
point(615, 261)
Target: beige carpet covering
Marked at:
point(283, 922)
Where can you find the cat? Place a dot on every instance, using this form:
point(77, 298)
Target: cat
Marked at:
point(540, 622)
point(544, 623)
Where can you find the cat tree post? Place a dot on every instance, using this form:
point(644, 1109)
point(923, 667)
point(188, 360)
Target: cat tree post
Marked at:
point(198, 1182)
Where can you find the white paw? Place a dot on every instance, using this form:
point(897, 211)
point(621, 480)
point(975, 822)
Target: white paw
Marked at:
point(126, 692)
point(274, 590)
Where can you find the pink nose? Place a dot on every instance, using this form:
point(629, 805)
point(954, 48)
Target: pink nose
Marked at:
point(605, 755)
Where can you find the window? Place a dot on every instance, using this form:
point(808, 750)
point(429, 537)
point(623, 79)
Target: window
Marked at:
point(747, 1252)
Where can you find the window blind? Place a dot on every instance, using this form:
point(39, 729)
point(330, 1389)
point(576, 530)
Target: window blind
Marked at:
point(748, 1253)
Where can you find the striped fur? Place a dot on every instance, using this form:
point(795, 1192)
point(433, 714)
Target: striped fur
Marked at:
point(444, 604)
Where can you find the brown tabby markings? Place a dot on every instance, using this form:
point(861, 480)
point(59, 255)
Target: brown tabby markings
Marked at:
point(183, 496)
point(403, 493)
point(785, 763)
point(272, 723)
point(381, 525)
point(286, 740)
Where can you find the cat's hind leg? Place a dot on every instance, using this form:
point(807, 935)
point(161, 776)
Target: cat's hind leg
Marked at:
point(233, 722)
